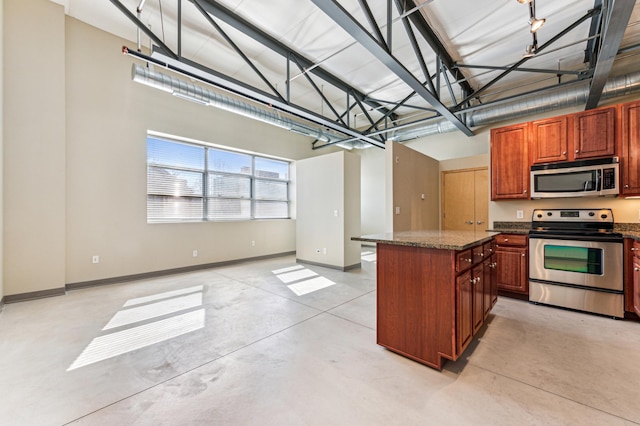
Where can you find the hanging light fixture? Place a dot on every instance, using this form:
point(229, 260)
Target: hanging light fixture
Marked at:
point(536, 24)
point(530, 51)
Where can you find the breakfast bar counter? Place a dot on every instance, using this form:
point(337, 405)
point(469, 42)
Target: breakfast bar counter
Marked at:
point(434, 291)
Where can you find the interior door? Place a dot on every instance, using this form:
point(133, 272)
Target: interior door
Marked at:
point(465, 200)
point(458, 201)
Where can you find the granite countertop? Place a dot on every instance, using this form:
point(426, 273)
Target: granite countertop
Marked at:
point(448, 240)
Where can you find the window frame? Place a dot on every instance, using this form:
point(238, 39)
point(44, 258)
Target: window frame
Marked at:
point(207, 172)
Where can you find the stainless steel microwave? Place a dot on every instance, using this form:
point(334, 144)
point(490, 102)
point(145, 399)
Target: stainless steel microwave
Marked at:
point(586, 178)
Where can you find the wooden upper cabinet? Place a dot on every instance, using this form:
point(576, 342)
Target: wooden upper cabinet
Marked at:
point(510, 162)
point(549, 141)
point(630, 124)
point(594, 133)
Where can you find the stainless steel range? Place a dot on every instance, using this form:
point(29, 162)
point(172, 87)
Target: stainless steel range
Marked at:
point(575, 261)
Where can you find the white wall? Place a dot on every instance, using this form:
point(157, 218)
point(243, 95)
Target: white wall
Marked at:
point(1, 151)
point(374, 210)
point(75, 160)
point(328, 214)
point(412, 175)
point(108, 117)
point(34, 146)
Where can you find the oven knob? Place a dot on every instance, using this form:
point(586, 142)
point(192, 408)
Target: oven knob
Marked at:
point(592, 214)
point(549, 213)
point(539, 215)
point(603, 216)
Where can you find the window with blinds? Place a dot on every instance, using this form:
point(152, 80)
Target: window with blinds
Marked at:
point(188, 182)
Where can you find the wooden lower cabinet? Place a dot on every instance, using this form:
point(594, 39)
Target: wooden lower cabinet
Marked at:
point(431, 302)
point(632, 282)
point(464, 311)
point(512, 257)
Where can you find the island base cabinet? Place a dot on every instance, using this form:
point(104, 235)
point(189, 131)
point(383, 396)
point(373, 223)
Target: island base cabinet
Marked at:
point(426, 309)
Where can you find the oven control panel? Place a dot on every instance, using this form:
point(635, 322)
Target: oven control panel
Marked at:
point(573, 215)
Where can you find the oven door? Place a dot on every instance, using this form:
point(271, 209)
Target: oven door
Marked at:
point(596, 264)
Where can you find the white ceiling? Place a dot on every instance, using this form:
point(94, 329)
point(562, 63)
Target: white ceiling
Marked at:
point(474, 32)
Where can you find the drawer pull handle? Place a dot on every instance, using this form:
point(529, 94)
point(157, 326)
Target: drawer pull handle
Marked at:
point(523, 254)
point(634, 249)
point(636, 269)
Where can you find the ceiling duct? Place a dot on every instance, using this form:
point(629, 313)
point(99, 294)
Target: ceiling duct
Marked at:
point(189, 91)
point(556, 98)
point(522, 106)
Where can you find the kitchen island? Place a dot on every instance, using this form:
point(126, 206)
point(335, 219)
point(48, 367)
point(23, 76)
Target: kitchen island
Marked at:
point(434, 291)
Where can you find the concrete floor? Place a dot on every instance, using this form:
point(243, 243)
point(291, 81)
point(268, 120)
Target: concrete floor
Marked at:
point(237, 345)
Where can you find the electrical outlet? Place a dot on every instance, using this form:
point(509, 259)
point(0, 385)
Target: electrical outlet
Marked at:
point(195, 253)
point(95, 259)
point(397, 210)
point(335, 213)
point(324, 250)
point(253, 243)
point(519, 214)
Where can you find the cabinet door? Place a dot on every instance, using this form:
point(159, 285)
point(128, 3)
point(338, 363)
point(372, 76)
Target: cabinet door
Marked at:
point(630, 121)
point(494, 279)
point(549, 140)
point(636, 285)
point(594, 133)
point(477, 280)
point(487, 302)
point(512, 269)
point(510, 162)
point(464, 311)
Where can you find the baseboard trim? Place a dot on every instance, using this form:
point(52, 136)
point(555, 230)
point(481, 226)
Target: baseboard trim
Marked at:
point(173, 271)
point(22, 297)
point(325, 265)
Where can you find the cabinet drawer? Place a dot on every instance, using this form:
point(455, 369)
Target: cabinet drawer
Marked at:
point(635, 249)
point(511, 240)
point(489, 248)
point(464, 260)
point(478, 254)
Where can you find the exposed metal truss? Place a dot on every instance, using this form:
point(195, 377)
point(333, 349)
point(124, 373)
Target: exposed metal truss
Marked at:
point(613, 29)
point(423, 79)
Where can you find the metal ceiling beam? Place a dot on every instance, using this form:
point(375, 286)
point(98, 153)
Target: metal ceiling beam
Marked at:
point(513, 67)
point(417, 19)
point(216, 9)
point(352, 27)
point(143, 27)
point(235, 47)
point(372, 22)
point(416, 49)
point(202, 73)
point(615, 25)
point(538, 70)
